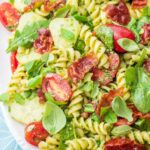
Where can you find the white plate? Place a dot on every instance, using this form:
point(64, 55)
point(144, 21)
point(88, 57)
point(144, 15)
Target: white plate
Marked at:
point(5, 73)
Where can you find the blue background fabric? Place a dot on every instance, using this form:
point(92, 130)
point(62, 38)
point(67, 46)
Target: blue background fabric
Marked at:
point(7, 141)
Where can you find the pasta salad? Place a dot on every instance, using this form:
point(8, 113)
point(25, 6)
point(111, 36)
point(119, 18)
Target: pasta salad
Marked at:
point(80, 72)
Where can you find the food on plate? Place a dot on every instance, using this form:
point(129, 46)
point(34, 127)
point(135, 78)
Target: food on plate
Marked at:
point(80, 72)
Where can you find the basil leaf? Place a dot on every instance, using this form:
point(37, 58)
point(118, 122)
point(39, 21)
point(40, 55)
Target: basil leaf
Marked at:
point(95, 117)
point(104, 110)
point(50, 98)
point(143, 124)
point(54, 118)
point(88, 86)
point(35, 82)
point(67, 34)
point(95, 90)
point(89, 108)
point(4, 97)
point(128, 44)
point(19, 99)
point(62, 12)
point(110, 117)
point(121, 130)
point(106, 35)
point(120, 108)
point(26, 37)
point(33, 68)
point(146, 11)
point(79, 46)
point(27, 94)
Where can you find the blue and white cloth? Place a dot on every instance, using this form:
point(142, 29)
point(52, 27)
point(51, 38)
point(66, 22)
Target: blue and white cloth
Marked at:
point(7, 141)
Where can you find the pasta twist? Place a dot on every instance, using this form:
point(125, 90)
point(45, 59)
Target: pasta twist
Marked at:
point(95, 46)
point(51, 143)
point(140, 136)
point(18, 81)
point(121, 82)
point(76, 102)
point(132, 58)
point(41, 11)
point(109, 87)
point(102, 129)
point(82, 144)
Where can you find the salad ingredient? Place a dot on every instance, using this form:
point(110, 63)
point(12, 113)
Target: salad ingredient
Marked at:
point(119, 33)
point(147, 66)
point(14, 61)
point(118, 13)
point(146, 35)
point(44, 42)
point(139, 3)
point(58, 87)
point(54, 118)
point(35, 133)
point(9, 16)
point(79, 68)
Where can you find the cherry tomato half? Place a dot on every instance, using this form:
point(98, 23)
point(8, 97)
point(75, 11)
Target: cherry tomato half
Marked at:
point(9, 16)
point(119, 33)
point(14, 61)
point(35, 133)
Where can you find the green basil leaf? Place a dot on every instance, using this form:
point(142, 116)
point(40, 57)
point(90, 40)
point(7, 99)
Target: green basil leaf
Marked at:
point(110, 117)
point(143, 124)
point(27, 94)
point(67, 34)
point(89, 108)
point(4, 97)
point(54, 118)
point(146, 11)
point(120, 108)
point(88, 86)
point(79, 46)
point(19, 99)
point(34, 67)
point(128, 44)
point(35, 82)
point(95, 91)
point(62, 12)
point(104, 110)
point(26, 37)
point(106, 35)
point(121, 130)
point(95, 117)
point(50, 98)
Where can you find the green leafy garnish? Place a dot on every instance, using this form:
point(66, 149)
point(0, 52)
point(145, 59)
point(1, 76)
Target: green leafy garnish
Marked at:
point(19, 98)
point(146, 11)
point(67, 34)
point(110, 117)
point(5, 97)
point(120, 108)
point(79, 46)
point(143, 124)
point(33, 68)
point(121, 130)
point(139, 83)
point(27, 36)
point(95, 117)
point(128, 44)
point(106, 35)
point(54, 118)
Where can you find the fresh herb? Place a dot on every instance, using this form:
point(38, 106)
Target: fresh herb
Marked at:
point(95, 117)
point(5, 97)
point(79, 46)
point(88, 86)
point(50, 98)
point(139, 83)
point(54, 118)
point(103, 111)
point(27, 36)
point(89, 108)
point(143, 124)
point(110, 117)
point(68, 133)
point(27, 94)
point(146, 11)
point(106, 35)
point(11, 1)
point(95, 90)
point(34, 67)
point(67, 34)
point(121, 130)
point(19, 98)
point(62, 12)
point(128, 44)
point(35, 82)
point(120, 108)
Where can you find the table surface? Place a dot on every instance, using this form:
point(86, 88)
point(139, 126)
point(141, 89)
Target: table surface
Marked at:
point(7, 142)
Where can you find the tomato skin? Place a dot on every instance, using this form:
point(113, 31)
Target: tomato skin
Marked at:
point(14, 61)
point(58, 87)
point(119, 33)
point(9, 16)
point(35, 133)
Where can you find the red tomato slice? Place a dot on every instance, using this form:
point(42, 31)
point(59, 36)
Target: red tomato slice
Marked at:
point(139, 3)
point(58, 87)
point(14, 61)
point(119, 33)
point(122, 144)
point(9, 16)
point(79, 68)
point(35, 133)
